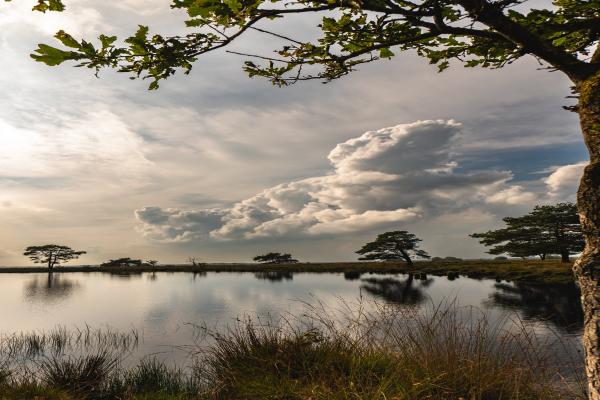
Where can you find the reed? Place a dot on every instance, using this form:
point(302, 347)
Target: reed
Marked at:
point(355, 351)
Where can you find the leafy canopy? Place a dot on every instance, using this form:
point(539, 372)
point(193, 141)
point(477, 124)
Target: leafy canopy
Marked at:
point(122, 262)
point(51, 254)
point(396, 245)
point(549, 229)
point(481, 33)
point(275, 258)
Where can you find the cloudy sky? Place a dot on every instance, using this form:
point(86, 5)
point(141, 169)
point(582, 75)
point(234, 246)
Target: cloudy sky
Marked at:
point(222, 167)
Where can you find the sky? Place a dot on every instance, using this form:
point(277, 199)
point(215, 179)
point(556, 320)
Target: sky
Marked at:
point(222, 167)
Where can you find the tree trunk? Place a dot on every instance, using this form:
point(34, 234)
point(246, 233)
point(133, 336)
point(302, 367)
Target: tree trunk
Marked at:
point(587, 267)
point(406, 257)
point(564, 256)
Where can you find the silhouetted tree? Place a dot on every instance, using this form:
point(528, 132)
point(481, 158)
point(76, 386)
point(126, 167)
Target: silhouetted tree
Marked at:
point(550, 229)
point(275, 258)
point(52, 254)
point(396, 245)
point(122, 262)
point(194, 261)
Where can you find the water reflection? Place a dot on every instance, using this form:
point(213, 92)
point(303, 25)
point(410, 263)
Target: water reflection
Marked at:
point(198, 274)
point(275, 276)
point(398, 291)
point(352, 275)
point(126, 274)
point(559, 304)
point(50, 288)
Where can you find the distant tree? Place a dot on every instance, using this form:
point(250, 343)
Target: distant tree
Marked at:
point(447, 259)
point(51, 254)
point(396, 245)
point(152, 263)
point(194, 261)
point(550, 229)
point(276, 258)
point(122, 262)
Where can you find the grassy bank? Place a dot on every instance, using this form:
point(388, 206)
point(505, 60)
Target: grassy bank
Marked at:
point(391, 353)
point(514, 270)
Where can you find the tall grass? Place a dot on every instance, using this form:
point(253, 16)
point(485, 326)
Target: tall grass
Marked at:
point(445, 353)
point(393, 353)
point(61, 340)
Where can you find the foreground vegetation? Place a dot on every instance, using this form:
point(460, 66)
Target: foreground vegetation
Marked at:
point(390, 353)
point(552, 271)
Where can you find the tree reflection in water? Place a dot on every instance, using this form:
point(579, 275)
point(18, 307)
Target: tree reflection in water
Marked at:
point(556, 303)
point(126, 275)
point(352, 275)
point(398, 291)
point(54, 287)
point(274, 276)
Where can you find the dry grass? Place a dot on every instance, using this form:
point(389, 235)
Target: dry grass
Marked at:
point(353, 352)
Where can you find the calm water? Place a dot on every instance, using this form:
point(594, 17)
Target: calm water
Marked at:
point(163, 305)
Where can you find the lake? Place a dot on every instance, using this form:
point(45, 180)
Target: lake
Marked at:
point(164, 307)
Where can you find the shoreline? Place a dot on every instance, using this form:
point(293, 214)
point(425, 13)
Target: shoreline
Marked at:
point(552, 271)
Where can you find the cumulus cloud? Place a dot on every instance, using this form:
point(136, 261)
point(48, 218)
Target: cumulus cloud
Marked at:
point(562, 183)
point(381, 178)
point(173, 225)
point(513, 195)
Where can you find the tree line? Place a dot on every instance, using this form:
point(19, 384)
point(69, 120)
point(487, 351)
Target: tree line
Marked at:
point(546, 230)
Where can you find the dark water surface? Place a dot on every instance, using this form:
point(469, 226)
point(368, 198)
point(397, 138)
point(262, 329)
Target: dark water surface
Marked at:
point(162, 306)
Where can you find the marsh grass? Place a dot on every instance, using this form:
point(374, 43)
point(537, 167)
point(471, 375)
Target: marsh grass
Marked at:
point(352, 352)
point(61, 340)
point(448, 352)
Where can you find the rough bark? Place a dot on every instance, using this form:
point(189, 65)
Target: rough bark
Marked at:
point(587, 267)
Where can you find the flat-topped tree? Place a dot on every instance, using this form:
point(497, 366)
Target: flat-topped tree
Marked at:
point(547, 230)
point(122, 262)
point(52, 254)
point(275, 258)
point(396, 245)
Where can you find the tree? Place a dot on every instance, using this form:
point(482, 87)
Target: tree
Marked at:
point(122, 262)
point(549, 229)
point(52, 254)
point(477, 33)
point(396, 245)
point(275, 258)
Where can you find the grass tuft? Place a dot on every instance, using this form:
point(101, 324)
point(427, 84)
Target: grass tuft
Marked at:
point(386, 353)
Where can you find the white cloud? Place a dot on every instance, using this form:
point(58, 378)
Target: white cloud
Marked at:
point(382, 178)
point(74, 148)
point(564, 180)
point(514, 195)
point(171, 225)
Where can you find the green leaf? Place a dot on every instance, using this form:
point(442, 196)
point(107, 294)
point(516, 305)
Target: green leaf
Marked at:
point(67, 39)
point(386, 53)
point(52, 56)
